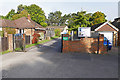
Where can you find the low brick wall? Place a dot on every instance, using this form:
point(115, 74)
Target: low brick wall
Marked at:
point(84, 45)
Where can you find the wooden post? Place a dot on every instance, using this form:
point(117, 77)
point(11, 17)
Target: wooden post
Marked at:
point(24, 42)
point(14, 42)
point(10, 42)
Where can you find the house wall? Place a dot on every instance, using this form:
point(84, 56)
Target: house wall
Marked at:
point(85, 45)
point(29, 31)
point(26, 31)
point(17, 31)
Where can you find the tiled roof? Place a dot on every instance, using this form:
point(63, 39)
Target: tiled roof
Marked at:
point(36, 24)
point(114, 25)
point(20, 23)
point(7, 23)
point(23, 23)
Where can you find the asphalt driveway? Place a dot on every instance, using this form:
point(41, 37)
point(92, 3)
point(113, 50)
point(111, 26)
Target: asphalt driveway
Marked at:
point(46, 61)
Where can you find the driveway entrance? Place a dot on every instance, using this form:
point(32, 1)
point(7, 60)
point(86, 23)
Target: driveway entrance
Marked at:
point(47, 61)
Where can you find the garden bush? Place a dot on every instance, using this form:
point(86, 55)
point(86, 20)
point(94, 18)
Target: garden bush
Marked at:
point(35, 38)
point(1, 33)
point(57, 32)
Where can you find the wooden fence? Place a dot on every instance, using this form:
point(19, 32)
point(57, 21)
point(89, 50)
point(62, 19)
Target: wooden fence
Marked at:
point(4, 43)
point(27, 39)
point(12, 42)
point(18, 42)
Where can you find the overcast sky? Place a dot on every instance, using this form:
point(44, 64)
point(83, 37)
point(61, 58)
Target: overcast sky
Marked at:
point(109, 7)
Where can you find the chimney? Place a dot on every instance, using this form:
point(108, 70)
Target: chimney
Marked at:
point(29, 17)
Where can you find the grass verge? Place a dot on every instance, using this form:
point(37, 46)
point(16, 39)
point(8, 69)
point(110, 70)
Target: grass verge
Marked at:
point(4, 52)
point(41, 42)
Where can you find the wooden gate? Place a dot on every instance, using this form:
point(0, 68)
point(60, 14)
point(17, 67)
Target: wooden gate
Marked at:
point(18, 41)
point(27, 39)
point(21, 41)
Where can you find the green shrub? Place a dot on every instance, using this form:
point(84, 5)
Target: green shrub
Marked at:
point(57, 32)
point(1, 33)
point(43, 24)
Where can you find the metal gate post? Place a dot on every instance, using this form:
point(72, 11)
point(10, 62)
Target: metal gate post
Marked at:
point(98, 45)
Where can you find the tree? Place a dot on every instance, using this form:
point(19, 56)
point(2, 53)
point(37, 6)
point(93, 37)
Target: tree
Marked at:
point(37, 14)
point(21, 8)
point(2, 17)
point(23, 13)
point(81, 19)
point(64, 19)
point(98, 17)
point(54, 18)
point(10, 14)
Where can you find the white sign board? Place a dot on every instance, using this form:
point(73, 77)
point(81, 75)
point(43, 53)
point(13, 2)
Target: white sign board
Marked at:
point(84, 31)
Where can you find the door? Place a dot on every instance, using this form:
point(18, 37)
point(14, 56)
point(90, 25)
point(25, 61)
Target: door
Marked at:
point(108, 35)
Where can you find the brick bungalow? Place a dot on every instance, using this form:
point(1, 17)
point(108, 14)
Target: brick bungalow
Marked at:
point(109, 30)
point(26, 25)
point(21, 25)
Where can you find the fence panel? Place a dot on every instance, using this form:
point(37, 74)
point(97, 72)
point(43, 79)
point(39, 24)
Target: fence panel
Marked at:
point(18, 42)
point(27, 39)
point(4, 43)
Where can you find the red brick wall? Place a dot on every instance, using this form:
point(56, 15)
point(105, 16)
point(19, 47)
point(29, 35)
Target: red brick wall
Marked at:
point(85, 45)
